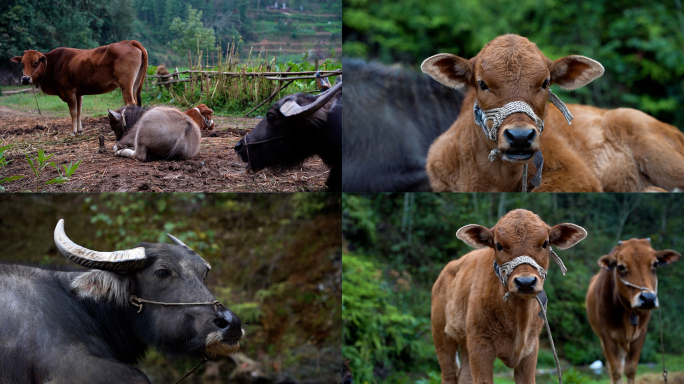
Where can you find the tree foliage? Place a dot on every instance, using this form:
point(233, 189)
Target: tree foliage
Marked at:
point(47, 24)
point(411, 237)
point(191, 34)
point(640, 43)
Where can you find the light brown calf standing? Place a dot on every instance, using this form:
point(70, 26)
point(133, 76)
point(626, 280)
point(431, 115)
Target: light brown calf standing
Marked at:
point(619, 150)
point(472, 321)
point(619, 302)
point(72, 73)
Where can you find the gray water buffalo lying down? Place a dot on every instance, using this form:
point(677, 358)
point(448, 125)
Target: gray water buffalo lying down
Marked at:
point(296, 127)
point(391, 118)
point(91, 326)
point(162, 133)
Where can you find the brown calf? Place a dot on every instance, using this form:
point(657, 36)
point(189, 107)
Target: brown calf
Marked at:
point(472, 321)
point(72, 73)
point(201, 114)
point(603, 150)
point(620, 299)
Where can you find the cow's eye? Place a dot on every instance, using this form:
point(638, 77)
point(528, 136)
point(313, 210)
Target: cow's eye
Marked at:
point(545, 84)
point(162, 273)
point(499, 246)
point(621, 268)
point(270, 117)
point(546, 244)
point(35, 64)
point(482, 85)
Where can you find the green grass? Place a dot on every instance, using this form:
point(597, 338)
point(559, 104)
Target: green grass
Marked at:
point(93, 105)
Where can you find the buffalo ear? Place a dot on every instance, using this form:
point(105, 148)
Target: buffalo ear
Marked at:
point(113, 114)
point(566, 235)
point(476, 236)
point(100, 285)
point(607, 262)
point(667, 256)
point(450, 70)
point(16, 59)
point(572, 72)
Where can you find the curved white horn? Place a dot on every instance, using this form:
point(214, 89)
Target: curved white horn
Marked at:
point(127, 260)
point(291, 109)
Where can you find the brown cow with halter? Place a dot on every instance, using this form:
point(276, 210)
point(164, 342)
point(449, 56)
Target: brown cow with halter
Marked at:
point(480, 313)
point(620, 299)
point(72, 73)
point(617, 150)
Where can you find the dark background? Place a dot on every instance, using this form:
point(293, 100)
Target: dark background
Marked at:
point(640, 43)
point(397, 244)
point(276, 263)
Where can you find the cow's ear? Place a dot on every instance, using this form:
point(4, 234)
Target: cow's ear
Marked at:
point(476, 236)
point(102, 285)
point(607, 262)
point(450, 70)
point(667, 256)
point(16, 59)
point(42, 59)
point(566, 235)
point(572, 72)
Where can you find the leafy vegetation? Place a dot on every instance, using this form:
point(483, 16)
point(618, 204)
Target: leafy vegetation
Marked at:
point(3, 162)
point(638, 42)
point(41, 162)
point(398, 243)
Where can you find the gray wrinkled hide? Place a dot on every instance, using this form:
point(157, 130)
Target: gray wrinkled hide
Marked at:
point(162, 133)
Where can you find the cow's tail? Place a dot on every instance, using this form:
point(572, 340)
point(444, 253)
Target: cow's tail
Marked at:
point(140, 80)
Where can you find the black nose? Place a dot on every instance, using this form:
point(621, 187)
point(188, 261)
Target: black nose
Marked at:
point(648, 300)
point(228, 323)
point(238, 146)
point(520, 138)
point(25, 80)
point(525, 284)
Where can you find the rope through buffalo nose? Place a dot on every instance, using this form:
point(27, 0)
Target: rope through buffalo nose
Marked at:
point(138, 302)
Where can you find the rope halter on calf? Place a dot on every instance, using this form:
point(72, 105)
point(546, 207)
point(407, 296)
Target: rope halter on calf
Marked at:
point(498, 115)
point(504, 270)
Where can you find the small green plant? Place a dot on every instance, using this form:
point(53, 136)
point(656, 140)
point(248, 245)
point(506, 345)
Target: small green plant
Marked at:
point(39, 163)
point(4, 162)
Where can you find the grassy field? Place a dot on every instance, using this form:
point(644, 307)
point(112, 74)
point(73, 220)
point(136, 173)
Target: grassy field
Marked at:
point(94, 105)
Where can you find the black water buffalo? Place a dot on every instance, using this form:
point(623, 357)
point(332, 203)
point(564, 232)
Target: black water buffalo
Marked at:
point(90, 326)
point(296, 127)
point(390, 119)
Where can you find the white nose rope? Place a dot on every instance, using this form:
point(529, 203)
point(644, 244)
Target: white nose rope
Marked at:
point(497, 115)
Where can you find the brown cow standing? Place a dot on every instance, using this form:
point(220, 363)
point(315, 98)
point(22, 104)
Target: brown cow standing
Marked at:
point(72, 73)
point(620, 299)
point(603, 150)
point(470, 314)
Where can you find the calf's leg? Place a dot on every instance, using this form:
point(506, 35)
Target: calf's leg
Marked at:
point(79, 102)
point(481, 357)
point(524, 372)
point(72, 102)
point(633, 355)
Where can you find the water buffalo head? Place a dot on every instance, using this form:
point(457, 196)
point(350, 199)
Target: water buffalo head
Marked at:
point(522, 247)
point(122, 120)
point(290, 132)
point(512, 78)
point(33, 65)
point(160, 273)
point(634, 263)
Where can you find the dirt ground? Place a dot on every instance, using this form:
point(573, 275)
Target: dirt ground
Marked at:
point(215, 169)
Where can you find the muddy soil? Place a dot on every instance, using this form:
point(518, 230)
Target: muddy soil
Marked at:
point(215, 169)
